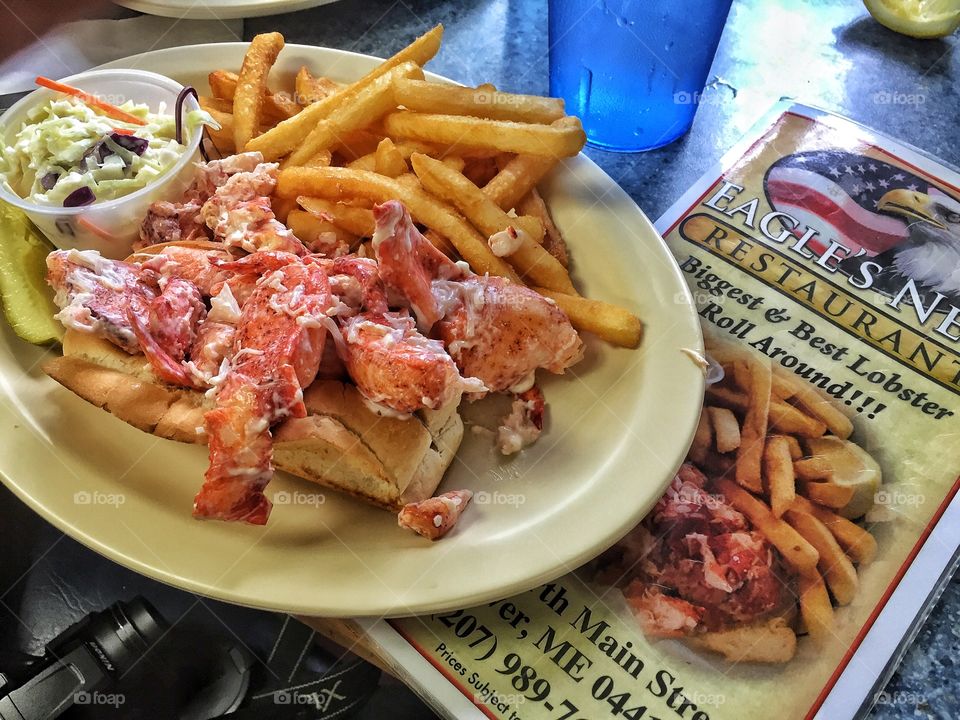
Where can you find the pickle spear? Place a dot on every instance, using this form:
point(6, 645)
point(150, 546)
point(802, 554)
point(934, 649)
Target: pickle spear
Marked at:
point(27, 299)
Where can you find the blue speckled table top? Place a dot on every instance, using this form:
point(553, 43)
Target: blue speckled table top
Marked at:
point(829, 53)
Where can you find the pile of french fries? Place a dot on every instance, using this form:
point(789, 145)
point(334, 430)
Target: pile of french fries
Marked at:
point(757, 438)
point(464, 161)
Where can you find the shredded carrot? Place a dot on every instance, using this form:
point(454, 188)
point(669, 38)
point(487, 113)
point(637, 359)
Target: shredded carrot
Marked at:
point(91, 100)
point(95, 229)
point(123, 131)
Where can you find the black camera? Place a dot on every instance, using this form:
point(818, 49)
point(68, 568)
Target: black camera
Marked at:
point(88, 656)
point(126, 663)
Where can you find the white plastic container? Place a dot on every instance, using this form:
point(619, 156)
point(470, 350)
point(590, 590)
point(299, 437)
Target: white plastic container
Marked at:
point(111, 226)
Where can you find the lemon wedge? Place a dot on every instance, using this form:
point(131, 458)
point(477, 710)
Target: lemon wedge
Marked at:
point(917, 18)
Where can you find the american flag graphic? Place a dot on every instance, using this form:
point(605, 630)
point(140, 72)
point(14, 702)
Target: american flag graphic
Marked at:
point(838, 193)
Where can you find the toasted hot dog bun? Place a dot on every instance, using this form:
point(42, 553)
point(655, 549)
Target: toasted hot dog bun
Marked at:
point(341, 444)
point(772, 641)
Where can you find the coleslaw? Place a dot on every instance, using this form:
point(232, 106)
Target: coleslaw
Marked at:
point(70, 154)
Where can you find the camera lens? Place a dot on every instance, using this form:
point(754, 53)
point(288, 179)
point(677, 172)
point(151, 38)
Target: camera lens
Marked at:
point(120, 635)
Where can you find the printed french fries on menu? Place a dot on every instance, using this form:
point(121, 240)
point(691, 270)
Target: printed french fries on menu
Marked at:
point(765, 452)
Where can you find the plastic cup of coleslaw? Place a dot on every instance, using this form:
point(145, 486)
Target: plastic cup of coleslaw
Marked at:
point(110, 225)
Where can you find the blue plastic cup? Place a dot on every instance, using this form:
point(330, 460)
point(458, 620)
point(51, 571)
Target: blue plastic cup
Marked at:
point(633, 70)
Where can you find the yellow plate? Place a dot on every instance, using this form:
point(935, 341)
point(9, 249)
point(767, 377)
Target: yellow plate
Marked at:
point(218, 9)
point(618, 427)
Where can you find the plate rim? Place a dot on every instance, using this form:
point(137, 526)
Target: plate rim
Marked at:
point(525, 581)
point(193, 11)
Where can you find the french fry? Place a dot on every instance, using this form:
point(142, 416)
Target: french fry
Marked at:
point(815, 607)
point(778, 472)
point(719, 465)
point(553, 242)
point(856, 542)
point(282, 207)
point(530, 259)
point(815, 404)
point(725, 428)
point(480, 170)
point(431, 97)
point(321, 159)
point(828, 493)
point(358, 144)
point(286, 136)
point(368, 105)
point(387, 160)
point(613, 323)
point(309, 89)
point(356, 220)
point(309, 229)
point(534, 263)
point(773, 642)
point(221, 105)
point(439, 241)
point(788, 419)
point(222, 142)
point(517, 178)
point(445, 150)
point(455, 188)
point(755, 419)
point(796, 452)
point(341, 183)
point(454, 162)
point(562, 138)
point(451, 186)
point(406, 148)
point(276, 106)
point(702, 439)
point(412, 183)
point(740, 372)
point(812, 468)
point(834, 565)
point(366, 162)
point(223, 138)
point(727, 397)
point(223, 84)
point(796, 551)
point(251, 85)
point(781, 388)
